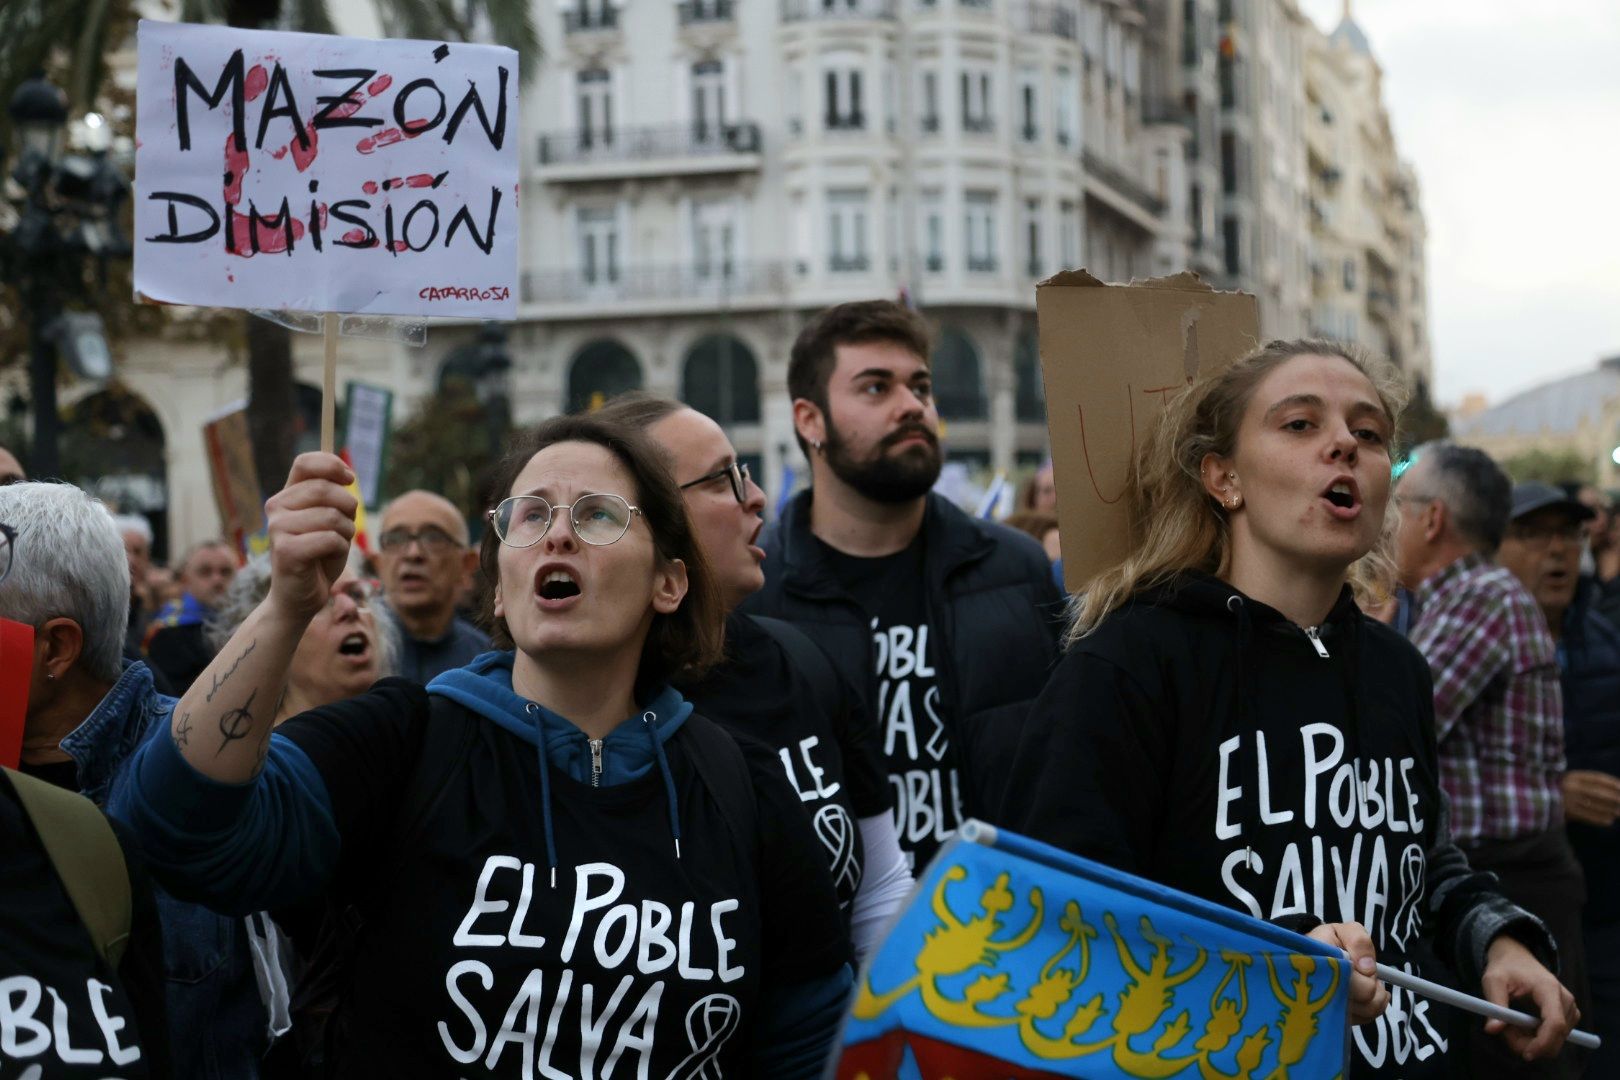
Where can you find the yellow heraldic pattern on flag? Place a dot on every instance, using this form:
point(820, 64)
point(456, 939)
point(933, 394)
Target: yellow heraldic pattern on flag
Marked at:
point(1080, 972)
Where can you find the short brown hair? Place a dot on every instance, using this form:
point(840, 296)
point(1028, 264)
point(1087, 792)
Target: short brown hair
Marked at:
point(686, 642)
point(639, 409)
point(815, 351)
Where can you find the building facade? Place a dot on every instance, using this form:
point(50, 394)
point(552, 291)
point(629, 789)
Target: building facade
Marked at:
point(701, 176)
point(1367, 274)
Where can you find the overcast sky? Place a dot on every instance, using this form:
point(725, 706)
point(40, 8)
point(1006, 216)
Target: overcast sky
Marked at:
point(1511, 113)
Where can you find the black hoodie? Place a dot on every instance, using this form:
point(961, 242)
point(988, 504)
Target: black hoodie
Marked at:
point(1201, 739)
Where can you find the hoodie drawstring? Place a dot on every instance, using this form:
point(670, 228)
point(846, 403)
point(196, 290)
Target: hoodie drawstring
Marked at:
point(1245, 702)
point(545, 794)
point(649, 721)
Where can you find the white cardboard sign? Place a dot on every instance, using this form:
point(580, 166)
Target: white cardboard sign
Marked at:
point(307, 172)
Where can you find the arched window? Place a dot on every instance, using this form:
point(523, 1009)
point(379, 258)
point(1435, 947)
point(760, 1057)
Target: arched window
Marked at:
point(1030, 397)
point(721, 380)
point(600, 371)
point(113, 446)
point(958, 384)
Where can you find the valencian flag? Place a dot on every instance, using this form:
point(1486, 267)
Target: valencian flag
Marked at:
point(1014, 960)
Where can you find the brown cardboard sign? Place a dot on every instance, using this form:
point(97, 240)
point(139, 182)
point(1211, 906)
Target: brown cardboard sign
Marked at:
point(1111, 355)
point(236, 480)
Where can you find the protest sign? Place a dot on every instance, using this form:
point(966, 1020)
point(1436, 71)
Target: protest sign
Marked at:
point(1110, 355)
point(309, 172)
point(236, 480)
point(367, 411)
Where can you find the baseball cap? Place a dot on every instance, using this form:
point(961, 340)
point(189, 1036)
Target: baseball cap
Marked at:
point(1533, 495)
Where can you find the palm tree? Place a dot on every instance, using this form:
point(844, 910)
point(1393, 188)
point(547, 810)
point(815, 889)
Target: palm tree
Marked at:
point(35, 31)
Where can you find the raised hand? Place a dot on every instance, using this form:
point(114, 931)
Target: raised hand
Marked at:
point(311, 523)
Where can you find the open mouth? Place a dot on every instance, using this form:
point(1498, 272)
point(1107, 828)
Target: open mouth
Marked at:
point(558, 585)
point(354, 645)
point(1342, 495)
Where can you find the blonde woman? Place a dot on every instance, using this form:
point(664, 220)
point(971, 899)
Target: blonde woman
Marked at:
point(1227, 722)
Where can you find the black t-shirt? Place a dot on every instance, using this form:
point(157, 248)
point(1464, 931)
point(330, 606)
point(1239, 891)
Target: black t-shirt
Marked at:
point(826, 745)
point(61, 1010)
point(471, 961)
point(915, 736)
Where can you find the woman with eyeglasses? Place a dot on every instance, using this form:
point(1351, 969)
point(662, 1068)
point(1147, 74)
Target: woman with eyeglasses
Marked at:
point(559, 868)
point(775, 684)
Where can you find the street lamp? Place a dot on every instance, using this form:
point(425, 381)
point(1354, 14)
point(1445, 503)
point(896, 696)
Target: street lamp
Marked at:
point(69, 209)
point(38, 113)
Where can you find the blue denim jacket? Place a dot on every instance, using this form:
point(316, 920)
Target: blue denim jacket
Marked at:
point(216, 1020)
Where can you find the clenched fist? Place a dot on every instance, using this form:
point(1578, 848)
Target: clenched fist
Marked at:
point(311, 522)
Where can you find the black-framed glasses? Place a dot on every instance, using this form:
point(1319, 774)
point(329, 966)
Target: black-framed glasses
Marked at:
point(8, 544)
point(599, 519)
point(433, 539)
point(736, 472)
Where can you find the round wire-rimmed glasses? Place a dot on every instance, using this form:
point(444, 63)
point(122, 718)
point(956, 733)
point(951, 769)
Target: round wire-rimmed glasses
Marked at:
point(8, 545)
point(599, 519)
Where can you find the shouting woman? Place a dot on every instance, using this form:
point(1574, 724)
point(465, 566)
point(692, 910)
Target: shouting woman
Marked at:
point(1227, 722)
point(561, 869)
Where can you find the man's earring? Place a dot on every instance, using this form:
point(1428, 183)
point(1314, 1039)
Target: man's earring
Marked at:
point(815, 445)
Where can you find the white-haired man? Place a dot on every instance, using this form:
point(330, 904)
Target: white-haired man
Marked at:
point(88, 709)
point(136, 533)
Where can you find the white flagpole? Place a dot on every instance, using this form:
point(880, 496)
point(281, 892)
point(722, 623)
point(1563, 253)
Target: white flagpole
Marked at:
point(1436, 992)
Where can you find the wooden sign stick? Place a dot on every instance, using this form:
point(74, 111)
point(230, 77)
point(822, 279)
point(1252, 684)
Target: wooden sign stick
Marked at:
point(329, 385)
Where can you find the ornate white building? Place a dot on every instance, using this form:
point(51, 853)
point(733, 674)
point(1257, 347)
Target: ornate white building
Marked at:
point(700, 176)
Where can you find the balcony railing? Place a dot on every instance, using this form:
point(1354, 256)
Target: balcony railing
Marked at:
point(930, 124)
point(1116, 178)
point(804, 10)
point(849, 264)
point(584, 18)
point(935, 264)
point(981, 264)
point(1057, 19)
point(978, 125)
point(707, 282)
point(696, 12)
point(845, 121)
point(646, 143)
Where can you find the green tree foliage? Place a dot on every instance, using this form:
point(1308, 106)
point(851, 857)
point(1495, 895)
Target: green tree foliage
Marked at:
point(1422, 422)
point(447, 445)
point(1549, 466)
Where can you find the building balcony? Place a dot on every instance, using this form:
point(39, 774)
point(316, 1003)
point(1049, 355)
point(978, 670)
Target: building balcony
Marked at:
point(1381, 305)
point(794, 11)
point(849, 264)
point(584, 19)
point(981, 264)
point(659, 287)
point(705, 12)
point(935, 264)
point(672, 150)
point(1113, 185)
point(1054, 19)
point(979, 125)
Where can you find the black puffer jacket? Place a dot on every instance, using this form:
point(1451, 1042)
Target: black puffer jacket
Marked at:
point(991, 601)
point(1589, 661)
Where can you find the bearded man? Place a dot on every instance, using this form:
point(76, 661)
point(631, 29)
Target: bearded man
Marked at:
point(948, 624)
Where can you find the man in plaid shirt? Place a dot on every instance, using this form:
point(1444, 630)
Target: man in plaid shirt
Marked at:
point(1497, 703)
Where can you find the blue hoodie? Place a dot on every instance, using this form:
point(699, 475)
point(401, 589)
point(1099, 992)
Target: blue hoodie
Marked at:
point(281, 844)
point(625, 754)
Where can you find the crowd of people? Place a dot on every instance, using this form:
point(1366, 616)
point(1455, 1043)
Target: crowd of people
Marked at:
point(635, 783)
